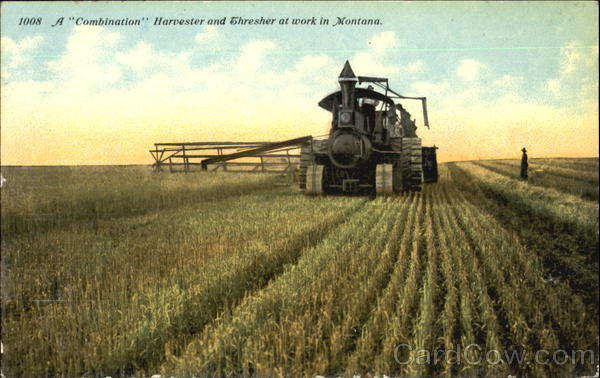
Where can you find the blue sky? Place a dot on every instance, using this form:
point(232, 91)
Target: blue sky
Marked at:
point(507, 71)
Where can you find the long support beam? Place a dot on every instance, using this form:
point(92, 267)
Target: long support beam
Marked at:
point(254, 151)
point(211, 143)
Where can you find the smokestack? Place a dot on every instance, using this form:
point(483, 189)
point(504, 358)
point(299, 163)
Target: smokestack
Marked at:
point(347, 81)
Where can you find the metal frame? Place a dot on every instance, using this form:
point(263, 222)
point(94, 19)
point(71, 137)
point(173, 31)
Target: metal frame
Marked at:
point(378, 80)
point(246, 157)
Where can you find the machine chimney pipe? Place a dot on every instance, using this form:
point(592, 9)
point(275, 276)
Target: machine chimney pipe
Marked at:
point(347, 93)
point(347, 81)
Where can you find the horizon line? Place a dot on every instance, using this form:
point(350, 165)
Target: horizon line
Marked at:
point(150, 164)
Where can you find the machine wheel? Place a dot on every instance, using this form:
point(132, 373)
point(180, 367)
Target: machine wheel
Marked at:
point(305, 161)
point(397, 177)
point(412, 164)
point(396, 145)
point(430, 170)
point(314, 179)
point(384, 179)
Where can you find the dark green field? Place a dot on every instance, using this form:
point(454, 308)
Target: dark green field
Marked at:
point(122, 271)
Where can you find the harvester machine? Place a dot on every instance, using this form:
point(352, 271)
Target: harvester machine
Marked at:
point(372, 146)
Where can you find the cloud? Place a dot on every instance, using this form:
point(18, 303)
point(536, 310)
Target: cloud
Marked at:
point(17, 54)
point(253, 54)
point(469, 69)
point(500, 127)
point(369, 64)
point(553, 85)
point(571, 58)
point(311, 64)
point(28, 43)
point(143, 60)
point(383, 41)
point(427, 88)
point(377, 59)
point(374, 61)
point(414, 67)
point(89, 58)
point(207, 34)
point(573, 74)
point(130, 96)
point(506, 81)
point(138, 58)
point(102, 89)
point(312, 68)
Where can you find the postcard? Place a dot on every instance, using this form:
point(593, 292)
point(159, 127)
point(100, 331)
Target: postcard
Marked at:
point(383, 188)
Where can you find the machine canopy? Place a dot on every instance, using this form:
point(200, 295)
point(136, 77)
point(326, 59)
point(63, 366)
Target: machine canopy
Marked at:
point(328, 101)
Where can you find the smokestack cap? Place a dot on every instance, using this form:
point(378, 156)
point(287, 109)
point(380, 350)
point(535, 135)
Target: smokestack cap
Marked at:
point(347, 74)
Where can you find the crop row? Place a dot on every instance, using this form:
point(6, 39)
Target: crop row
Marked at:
point(447, 275)
point(106, 300)
point(477, 318)
point(35, 199)
point(528, 307)
point(581, 184)
point(585, 164)
point(308, 315)
point(560, 228)
point(273, 283)
point(369, 345)
point(561, 206)
point(554, 168)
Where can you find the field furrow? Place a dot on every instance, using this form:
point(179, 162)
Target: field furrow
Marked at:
point(270, 329)
point(400, 326)
point(553, 170)
point(479, 325)
point(358, 310)
point(424, 325)
point(121, 272)
point(509, 267)
point(501, 292)
point(560, 228)
point(461, 317)
point(451, 310)
point(37, 200)
point(589, 164)
point(185, 283)
point(578, 185)
point(373, 332)
point(561, 206)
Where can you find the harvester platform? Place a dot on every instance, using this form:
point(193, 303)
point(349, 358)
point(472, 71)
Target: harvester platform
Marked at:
point(272, 157)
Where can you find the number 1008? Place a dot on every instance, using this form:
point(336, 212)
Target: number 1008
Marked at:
point(30, 21)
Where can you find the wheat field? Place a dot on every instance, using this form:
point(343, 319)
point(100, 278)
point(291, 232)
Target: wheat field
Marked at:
point(120, 271)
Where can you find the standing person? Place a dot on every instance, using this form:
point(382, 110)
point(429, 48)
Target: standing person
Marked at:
point(393, 124)
point(368, 108)
point(524, 164)
point(408, 124)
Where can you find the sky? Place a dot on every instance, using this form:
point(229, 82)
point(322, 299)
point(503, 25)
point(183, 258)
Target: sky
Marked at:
point(498, 76)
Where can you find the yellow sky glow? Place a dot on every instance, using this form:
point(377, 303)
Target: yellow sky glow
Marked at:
point(101, 101)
